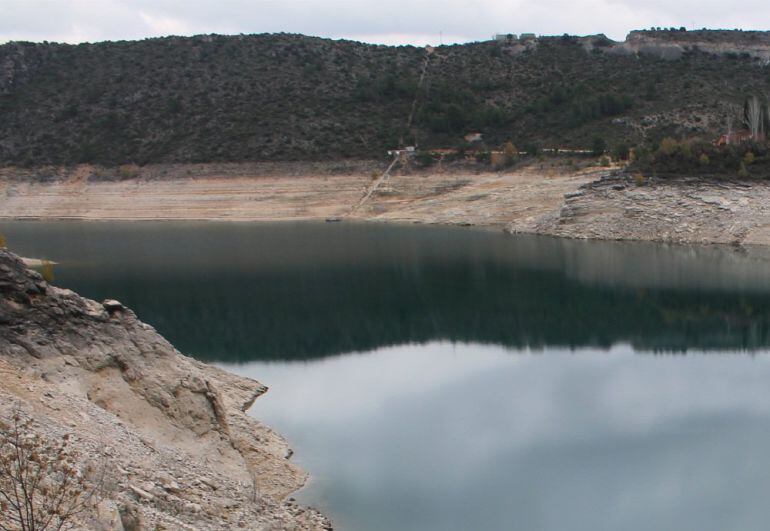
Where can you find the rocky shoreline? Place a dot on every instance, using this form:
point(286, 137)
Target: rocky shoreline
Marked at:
point(683, 210)
point(553, 197)
point(177, 448)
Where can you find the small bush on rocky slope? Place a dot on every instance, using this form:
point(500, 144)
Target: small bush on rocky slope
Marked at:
point(41, 485)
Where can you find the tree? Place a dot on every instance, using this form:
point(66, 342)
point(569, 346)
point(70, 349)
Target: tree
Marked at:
point(753, 117)
point(510, 153)
point(41, 487)
point(743, 172)
point(621, 151)
point(668, 146)
point(598, 145)
point(532, 149)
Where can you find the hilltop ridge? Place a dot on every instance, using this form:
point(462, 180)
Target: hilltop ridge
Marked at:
point(673, 43)
point(282, 97)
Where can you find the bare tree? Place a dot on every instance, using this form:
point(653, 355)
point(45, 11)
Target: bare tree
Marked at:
point(41, 486)
point(754, 118)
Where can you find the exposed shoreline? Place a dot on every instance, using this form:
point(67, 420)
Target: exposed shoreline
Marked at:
point(552, 197)
point(246, 192)
point(679, 210)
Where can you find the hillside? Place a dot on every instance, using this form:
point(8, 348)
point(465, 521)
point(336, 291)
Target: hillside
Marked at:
point(290, 97)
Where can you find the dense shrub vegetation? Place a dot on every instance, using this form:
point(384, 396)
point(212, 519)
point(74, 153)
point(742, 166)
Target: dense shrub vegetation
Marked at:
point(289, 97)
point(697, 157)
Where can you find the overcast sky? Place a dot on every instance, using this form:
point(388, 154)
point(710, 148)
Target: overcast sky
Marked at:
point(379, 21)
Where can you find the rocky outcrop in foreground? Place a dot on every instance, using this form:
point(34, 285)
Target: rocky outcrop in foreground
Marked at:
point(178, 450)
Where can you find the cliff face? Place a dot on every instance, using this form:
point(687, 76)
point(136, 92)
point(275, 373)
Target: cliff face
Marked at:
point(173, 430)
point(290, 97)
point(673, 44)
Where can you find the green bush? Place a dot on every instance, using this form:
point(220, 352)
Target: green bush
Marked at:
point(128, 171)
point(598, 145)
point(668, 146)
point(621, 151)
point(695, 157)
point(424, 159)
point(532, 149)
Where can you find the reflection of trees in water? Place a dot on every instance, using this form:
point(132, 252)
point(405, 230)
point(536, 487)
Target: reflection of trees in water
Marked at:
point(327, 311)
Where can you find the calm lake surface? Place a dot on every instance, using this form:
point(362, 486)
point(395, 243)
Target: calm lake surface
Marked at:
point(448, 379)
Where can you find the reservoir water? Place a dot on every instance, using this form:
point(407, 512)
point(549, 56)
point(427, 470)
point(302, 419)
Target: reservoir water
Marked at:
point(448, 379)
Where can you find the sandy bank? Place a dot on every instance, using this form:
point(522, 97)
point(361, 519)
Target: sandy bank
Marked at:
point(550, 197)
point(253, 193)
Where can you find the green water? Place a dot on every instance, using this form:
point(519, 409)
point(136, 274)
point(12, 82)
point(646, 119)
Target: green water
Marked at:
point(436, 378)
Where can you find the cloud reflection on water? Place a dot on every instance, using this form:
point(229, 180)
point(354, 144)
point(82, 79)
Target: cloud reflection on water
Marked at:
point(446, 436)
